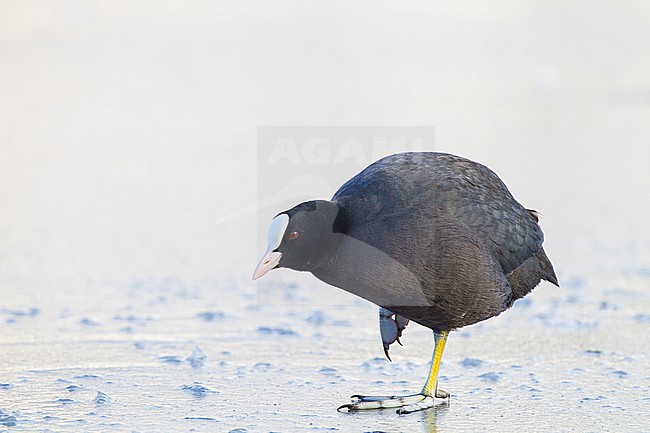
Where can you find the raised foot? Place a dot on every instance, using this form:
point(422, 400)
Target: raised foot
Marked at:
point(406, 404)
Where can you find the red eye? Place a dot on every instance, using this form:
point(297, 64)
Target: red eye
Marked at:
point(293, 235)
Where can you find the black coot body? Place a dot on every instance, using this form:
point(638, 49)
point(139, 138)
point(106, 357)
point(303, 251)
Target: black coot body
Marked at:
point(433, 237)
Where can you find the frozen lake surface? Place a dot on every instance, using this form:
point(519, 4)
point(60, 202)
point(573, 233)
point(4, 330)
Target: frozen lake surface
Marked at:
point(166, 355)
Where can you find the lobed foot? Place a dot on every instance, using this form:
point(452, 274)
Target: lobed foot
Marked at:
point(390, 332)
point(406, 404)
point(364, 402)
point(391, 327)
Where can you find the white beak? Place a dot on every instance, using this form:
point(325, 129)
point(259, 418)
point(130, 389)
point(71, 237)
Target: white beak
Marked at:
point(268, 262)
point(271, 259)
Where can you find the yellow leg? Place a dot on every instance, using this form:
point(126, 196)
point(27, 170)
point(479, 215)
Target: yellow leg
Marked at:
point(408, 403)
point(431, 385)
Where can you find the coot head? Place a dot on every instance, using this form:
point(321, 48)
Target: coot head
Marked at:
point(303, 238)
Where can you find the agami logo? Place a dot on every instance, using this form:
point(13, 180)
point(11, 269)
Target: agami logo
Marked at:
point(341, 150)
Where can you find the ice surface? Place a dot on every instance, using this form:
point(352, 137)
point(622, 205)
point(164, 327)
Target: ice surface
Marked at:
point(490, 376)
point(73, 388)
point(197, 358)
point(471, 362)
point(197, 390)
point(7, 420)
point(275, 331)
point(101, 398)
point(211, 316)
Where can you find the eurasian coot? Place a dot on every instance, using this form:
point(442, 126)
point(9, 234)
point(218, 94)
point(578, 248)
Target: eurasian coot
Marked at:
point(429, 237)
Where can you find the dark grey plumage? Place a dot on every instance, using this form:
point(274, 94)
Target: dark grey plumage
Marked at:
point(435, 238)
